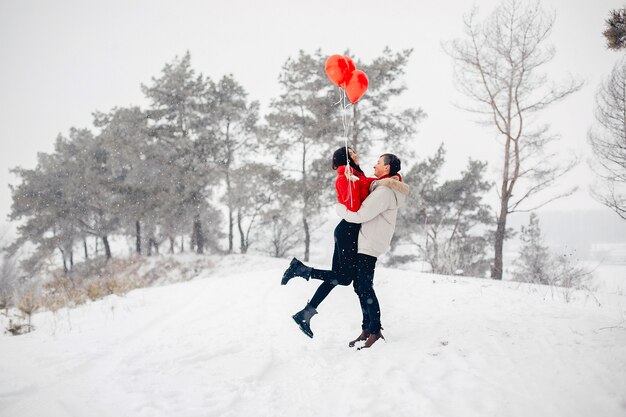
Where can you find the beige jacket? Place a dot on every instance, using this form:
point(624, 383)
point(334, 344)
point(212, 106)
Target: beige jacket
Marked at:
point(378, 215)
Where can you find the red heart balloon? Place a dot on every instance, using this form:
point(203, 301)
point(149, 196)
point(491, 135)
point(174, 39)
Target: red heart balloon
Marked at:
point(339, 69)
point(356, 86)
point(351, 68)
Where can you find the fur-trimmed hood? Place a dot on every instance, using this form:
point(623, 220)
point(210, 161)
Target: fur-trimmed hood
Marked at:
point(400, 189)
point(392, 183)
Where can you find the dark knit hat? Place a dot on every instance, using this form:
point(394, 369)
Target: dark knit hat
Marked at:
point(340, 157)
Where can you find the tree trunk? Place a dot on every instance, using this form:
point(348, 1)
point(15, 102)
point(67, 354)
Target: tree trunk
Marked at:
point(172, 243)
point(182, 243)
point(71, 259)
point(85, 247)
point(434, 263)
point(96, 249)
point(230, 215)
point(307, 238)
point(505, 194)
point(107, 248)
point(496, 269)
point(197, 228)
point(138, 237)
point(65, 270)
point(229, 191)
point(305, 223)
point(149, 247)
point(242, 236)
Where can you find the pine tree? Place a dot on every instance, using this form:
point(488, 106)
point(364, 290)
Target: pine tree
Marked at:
point(303, 127)
point(282, 233)
point(65, 197)
point(373, 119)
point(125, 136)
point(90, 178)
point(178, 122)
point(448, 222)
point(534, 261)
point(255, 189)
point(615, 32)
point(231, 121)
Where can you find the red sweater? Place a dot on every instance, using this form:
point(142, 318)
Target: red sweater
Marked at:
point(352, 193)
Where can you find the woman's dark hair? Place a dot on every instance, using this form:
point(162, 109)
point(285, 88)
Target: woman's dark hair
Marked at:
point(394, 163)
point(340, 157)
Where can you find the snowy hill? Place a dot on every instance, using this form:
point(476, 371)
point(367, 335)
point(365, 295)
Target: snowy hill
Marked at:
point(224, 344)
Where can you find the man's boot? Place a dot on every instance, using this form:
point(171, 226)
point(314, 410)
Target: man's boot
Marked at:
point(371, 339)
point(303, 319)
point(363, 336)
point(296, 269)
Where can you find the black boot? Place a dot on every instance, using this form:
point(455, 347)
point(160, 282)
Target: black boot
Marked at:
point(303, 319)
point(296, 269)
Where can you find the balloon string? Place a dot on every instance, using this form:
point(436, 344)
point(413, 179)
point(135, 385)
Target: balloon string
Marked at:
point(346, 132)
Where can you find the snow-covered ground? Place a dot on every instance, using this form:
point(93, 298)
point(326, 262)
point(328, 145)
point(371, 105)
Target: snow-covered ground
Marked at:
point(224, 344)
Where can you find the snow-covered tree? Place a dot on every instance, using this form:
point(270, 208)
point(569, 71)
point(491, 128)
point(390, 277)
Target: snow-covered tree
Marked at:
point(231, 121)
point(255, 187)
point(138, 173)
point(282, 230)
point(177, 113)
point(64, 198)
point(8, 272)
point(302, 129)
point(373, 119)
point(447, 222)
point(537, 264)
point(534, 261)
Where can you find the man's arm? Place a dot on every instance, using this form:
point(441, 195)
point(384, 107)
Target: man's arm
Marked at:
point(376, 203)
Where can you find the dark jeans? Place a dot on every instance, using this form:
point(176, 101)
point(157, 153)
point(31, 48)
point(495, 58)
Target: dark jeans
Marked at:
point(344, 262)
point(364, 288)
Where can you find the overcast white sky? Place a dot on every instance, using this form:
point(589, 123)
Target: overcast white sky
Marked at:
point(62, 60)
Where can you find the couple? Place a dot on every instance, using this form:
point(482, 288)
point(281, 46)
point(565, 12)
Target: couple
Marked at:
point(368, 207)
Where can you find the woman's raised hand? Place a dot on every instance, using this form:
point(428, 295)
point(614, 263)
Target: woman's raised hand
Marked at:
point(350, 176)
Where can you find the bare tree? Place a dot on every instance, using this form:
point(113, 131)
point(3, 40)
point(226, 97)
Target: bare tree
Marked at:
point(497, 66)
point(608, 140)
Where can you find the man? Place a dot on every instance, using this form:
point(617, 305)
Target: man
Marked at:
point(377, 216)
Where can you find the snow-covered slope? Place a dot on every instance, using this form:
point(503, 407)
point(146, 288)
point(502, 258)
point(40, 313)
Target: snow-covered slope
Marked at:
point(224, 345)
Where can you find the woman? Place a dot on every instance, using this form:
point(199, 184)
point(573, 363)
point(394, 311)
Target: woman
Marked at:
point(352, 188)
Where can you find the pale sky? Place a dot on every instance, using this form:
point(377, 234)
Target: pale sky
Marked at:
point(62, 60)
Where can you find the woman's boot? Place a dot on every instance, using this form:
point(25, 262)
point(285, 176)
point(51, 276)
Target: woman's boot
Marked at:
point(363, 336)
point(296, 269)
point(303, 319)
